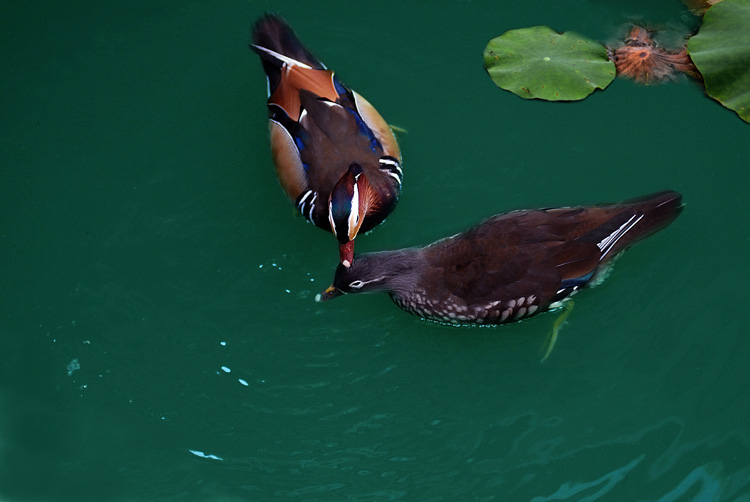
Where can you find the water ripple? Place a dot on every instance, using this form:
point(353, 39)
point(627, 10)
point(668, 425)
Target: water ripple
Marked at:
point(609, 480)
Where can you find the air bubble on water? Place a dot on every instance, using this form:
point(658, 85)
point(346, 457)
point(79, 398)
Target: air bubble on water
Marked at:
point(73, 366)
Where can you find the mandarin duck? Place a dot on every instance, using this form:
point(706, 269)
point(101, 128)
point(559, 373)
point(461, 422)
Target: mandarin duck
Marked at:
point(335, 156)
point(510, 266)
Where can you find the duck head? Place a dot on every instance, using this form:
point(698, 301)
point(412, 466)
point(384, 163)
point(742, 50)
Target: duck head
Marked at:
point(347, 206)
point(358, 277)
point(384, 271)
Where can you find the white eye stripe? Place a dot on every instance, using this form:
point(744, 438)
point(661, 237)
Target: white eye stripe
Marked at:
point(354, 211)
point(360, 284)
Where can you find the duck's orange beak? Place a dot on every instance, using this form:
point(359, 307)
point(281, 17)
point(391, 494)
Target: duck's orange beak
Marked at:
point(331, 292)
point(346, 254)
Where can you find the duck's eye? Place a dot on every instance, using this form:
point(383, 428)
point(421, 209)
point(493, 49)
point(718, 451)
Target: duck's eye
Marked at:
point(356, 284)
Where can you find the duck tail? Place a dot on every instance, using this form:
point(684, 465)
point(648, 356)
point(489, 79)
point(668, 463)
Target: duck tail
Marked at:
point(633, 220)
point(658, 209)
point(277, 44)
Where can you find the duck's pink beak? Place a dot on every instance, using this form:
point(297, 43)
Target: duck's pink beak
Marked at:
point(346, 254)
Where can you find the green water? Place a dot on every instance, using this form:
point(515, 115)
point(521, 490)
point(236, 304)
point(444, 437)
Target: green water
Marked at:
point(158, 334)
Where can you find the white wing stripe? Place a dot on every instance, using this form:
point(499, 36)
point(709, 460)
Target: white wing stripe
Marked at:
point(395, 177)
point(302, 200)
point(283, 58)
point(312, 208)
point(390, 162)
point(608, 242)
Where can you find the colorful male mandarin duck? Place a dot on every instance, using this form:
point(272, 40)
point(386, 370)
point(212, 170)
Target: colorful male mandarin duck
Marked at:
point(335, 156)
point(511, 266)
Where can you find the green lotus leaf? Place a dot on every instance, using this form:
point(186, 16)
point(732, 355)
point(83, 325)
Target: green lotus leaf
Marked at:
point(538, 62)
point(721, 52)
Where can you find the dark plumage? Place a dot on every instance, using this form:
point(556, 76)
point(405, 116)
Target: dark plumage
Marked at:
point(335, 156)
point(510, 266)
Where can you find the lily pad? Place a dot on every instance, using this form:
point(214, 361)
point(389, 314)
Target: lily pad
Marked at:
point(538, 62)
point(721, 52)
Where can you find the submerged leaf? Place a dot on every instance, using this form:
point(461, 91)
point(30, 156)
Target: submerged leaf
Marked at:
point(538, 62)
point(641, 59)
point(699, 7)
point(721, 52)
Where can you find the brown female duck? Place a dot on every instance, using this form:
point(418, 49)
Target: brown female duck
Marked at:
point(511, 266)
